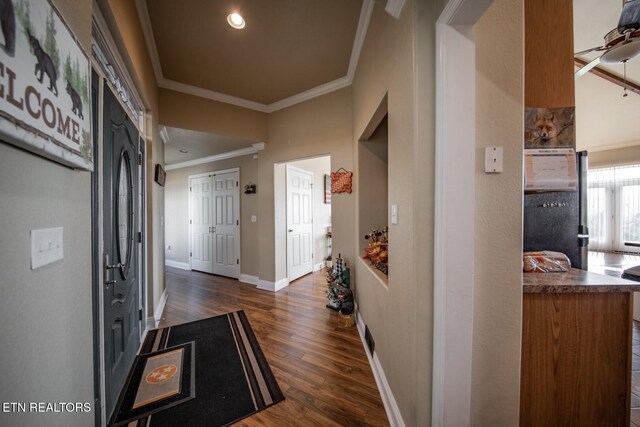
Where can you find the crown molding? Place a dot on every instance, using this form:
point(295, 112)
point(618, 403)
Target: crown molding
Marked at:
point(394, 7)
point(164, 135)
point(342, 82)
point(147, 31)
point(213, 95)
point(222, 156)
point(310, 94)
point(361, 34)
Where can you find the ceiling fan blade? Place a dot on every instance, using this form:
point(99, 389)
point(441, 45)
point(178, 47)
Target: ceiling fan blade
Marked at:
point(590, 50)
point(582, 71)
point(630, 16)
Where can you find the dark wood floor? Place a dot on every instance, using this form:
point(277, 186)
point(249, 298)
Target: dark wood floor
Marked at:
point(320, 366)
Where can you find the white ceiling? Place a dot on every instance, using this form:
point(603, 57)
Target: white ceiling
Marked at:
point(199, 144)
point(604, 119)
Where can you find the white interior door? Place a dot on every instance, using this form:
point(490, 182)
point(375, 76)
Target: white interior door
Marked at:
point(226, 227)
point(201, 226)
point(299, 222)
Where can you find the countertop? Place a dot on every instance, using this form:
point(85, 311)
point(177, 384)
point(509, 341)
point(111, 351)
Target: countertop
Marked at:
point(575, 281)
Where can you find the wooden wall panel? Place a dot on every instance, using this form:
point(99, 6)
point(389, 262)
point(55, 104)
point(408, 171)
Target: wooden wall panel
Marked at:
point(576, 359)
point(548, 35)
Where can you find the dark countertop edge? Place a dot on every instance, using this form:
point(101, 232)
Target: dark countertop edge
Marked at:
point(575, 281)
point(578, 289)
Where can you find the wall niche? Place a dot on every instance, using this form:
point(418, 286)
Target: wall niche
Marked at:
point(373, 154)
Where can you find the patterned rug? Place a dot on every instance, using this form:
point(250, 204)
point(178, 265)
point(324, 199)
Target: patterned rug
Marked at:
point(232, 377)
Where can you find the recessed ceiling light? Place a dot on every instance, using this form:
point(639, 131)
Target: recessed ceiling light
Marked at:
point(183, 151)
point(235, 20)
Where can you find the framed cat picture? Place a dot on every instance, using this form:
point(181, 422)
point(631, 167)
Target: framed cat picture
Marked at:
point(45, 101)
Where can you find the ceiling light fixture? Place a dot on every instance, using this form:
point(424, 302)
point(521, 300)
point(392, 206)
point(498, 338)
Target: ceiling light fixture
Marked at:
point(183, 151)
point(236, 20)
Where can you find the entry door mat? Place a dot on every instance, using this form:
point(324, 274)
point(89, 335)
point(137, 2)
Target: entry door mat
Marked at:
point(233, 379)
point(157, 381)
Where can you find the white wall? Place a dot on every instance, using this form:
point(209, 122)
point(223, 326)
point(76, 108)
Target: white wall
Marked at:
point(497, 304)
point(177, 211)
point(46, 348)
point(398, 59)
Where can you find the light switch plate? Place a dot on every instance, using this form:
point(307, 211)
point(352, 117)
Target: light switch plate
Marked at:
point(493, 159)
point(254, 218)
point(394, 214)
point(47, 246)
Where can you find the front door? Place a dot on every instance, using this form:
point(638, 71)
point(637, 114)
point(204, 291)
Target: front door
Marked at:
point(299, 222)
point(121, 264)
point(226, 229)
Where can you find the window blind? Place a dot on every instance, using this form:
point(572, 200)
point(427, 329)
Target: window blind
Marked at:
point(614, 208)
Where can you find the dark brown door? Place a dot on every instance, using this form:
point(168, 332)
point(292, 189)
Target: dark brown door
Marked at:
point(121, 264)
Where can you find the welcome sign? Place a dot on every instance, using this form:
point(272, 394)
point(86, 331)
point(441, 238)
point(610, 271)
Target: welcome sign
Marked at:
point(44, 84)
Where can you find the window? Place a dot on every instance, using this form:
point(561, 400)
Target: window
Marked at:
point(614, 208)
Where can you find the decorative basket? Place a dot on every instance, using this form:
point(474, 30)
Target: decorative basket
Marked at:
point(341, 181)
point(347, 320)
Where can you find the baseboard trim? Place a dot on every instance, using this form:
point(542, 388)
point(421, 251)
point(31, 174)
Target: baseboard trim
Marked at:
point(273, 286)
point(177, 264)
point(151, 324)
point(247, 278)
point(389, 402)
point(163, 301)
point(319, 266)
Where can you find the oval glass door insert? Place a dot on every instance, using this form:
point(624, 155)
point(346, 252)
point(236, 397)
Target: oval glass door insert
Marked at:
point(124, 213)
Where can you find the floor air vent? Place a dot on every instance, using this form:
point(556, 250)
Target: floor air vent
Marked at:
point(369, 339)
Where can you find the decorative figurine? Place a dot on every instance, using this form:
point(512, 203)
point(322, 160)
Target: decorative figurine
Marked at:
point(338, 284)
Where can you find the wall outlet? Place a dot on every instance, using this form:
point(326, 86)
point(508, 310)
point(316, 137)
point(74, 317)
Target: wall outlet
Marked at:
point(47, 246)
point(254, 218)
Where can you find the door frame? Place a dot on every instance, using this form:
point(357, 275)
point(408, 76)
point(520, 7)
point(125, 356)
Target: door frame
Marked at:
point(97, 187)
point(454, 220)
point(313, 230)
point(200, 175)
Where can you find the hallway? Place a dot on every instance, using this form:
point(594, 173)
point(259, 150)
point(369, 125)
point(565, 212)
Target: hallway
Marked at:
point(320, 366)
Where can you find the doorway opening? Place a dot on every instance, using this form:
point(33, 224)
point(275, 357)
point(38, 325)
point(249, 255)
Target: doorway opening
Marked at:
point(302, 198)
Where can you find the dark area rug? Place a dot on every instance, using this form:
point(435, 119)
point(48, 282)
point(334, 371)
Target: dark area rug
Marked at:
point(232, 377)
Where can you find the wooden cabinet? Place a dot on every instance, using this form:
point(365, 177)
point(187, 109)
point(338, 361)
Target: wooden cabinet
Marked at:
point(576, 359)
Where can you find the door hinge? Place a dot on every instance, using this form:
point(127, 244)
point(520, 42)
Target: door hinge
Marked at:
point(236, 183)
point(189, 188)
point(190, 222)
point(237, 222)
point(139, 159)
point(191, 254)
point(238, 261)
point(140, 314)
point(139, 236)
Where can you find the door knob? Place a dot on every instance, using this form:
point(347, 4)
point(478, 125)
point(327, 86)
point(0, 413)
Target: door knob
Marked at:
point(108, 267)
point(106, 263)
